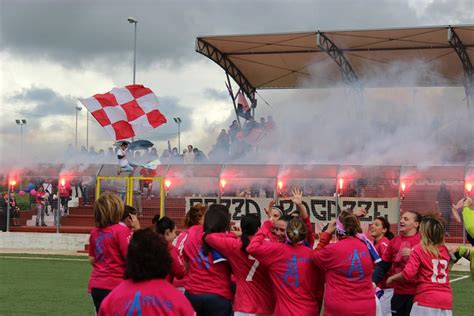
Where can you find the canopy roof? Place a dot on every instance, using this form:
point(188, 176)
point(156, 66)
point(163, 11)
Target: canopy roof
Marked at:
point(295, 60)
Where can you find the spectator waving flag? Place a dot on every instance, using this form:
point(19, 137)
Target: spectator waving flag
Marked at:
point(125, 112)
point(243, 108)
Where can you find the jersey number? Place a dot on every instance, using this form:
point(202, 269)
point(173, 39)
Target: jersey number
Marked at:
point(253, 269)
point(439, 271)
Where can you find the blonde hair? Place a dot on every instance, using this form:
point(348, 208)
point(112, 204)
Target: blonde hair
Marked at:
point(296, 230)
point(432, 234)
point(108, 210)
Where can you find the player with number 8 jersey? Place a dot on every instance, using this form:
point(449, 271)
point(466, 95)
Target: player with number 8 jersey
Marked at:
point(254, 294)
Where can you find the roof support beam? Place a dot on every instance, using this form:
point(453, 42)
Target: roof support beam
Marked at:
point(222, 60)
point(460, 50)
point(348, 74)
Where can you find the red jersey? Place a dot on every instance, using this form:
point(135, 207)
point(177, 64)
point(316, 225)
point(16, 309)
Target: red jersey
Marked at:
point(393, 254)
point(432, 277)
point(108, 246)
point(150, 297)
point(310, 234)
point(179, 245)
point(254, 293)
point(292, 273)
point(381, 247)
point(177, 266)
point(205, 276)
point(40, 197)
point(349, 267)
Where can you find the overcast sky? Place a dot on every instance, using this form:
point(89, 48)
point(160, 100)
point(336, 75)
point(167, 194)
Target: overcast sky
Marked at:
point(53, 52)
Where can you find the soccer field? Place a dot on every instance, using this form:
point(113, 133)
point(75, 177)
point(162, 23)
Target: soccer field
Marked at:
point(57, 285)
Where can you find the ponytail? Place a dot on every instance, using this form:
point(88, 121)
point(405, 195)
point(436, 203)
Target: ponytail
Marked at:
point(249, 226)
point(216, 220)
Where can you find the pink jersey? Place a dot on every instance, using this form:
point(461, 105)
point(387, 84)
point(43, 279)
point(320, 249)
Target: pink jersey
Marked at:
point(393, 254)
point(292, 272)
point(254, 293)
point(381, 247)
point(349, 267)
point(108, 246)
point(150, 297)
point(205, 276)
point(177, 266)
point(179, 244)
point(432, 277)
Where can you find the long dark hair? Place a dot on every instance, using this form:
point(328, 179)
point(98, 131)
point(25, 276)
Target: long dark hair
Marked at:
point(162, 224)
point(386, 225)
point(216, 220)
point(148, 256)
point(249, 225)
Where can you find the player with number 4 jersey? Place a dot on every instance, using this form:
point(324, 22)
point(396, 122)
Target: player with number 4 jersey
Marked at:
point(254, 294)
point(428, 266)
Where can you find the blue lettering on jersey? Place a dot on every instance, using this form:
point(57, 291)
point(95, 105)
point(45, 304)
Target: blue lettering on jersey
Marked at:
point(147, 300)
point(356, 265)
point(99, 245)
point(291, 276)
point(202, 260)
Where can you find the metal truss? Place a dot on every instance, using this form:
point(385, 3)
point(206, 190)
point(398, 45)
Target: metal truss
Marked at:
point(460, 50)
point(221, 59)
point(348, 74)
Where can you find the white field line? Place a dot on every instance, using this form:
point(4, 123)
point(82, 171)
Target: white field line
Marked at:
point(460, 278)
point(42, 258)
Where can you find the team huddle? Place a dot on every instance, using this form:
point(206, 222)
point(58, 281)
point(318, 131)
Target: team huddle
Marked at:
point(272, 267)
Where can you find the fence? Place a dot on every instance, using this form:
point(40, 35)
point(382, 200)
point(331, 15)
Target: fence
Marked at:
point(172, 189)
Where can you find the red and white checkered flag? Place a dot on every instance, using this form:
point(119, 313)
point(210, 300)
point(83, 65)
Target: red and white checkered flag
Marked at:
point(125, 112)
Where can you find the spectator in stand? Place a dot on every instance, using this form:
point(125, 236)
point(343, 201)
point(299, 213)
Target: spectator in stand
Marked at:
point(48, 190)
point(166, 227)
point(188, 155)
point(199, 156)
point(262, 123)
point(110, 154)
point(233, 130)
point(270, 124)
point(148, 184)
point(444, 203)
point(165, 156)
point(108, 243)
point(14, 210)
point(3, 211)
point(40, 202)
point(144, 290)
point(153, 154)
point(65, 192)
point(92, 152)
point(175, 156)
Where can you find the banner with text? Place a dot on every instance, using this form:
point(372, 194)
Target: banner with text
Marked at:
point(321, 208)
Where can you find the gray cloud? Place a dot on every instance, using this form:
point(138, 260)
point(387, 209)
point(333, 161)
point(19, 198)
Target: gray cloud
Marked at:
point(77, 32)
point(217, 95)
point(44, 102)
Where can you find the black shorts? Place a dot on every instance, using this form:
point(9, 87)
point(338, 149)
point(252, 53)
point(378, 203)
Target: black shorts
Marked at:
point(401, 304)
point(469, 238)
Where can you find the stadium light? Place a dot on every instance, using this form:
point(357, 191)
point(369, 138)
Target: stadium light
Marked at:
point(134, 21)
point(78, 108)
point(178, 121)
point(21, 122)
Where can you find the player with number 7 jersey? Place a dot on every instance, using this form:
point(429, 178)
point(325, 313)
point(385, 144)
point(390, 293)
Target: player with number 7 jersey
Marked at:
point(254, 294)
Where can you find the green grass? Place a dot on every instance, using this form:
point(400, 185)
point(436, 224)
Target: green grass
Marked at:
point(44, 287)
point(49, 285)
